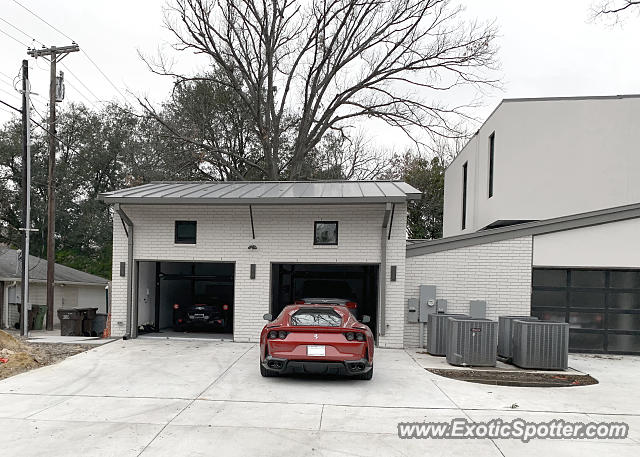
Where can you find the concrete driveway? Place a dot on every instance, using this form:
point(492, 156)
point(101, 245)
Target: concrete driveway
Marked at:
point(203, 398)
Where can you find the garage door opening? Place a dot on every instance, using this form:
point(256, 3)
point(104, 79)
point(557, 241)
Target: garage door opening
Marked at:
point(354, 283)
point(186, 298)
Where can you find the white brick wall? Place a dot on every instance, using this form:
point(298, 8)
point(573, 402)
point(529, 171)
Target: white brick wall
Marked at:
point(284, 234)
point(499, 273)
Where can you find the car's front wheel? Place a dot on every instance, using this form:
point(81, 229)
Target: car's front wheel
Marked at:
point(266, 373)
point(367, 376)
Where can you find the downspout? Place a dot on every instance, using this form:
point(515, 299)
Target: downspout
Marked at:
point(131, 329)
point(382, 321)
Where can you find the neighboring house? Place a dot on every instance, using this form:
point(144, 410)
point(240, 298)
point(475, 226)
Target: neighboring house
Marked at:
point(542, 215)
point(260, 245)
point(73, 288)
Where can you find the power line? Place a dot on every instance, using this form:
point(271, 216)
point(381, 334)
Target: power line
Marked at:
point(83, 51)
point(7, 76)
point(82, 94)
point(105, 76)
point(11, 106)
point(81, 83)
point(21, 31)
point(53, 27)
point(7, 92)
point(14, 38)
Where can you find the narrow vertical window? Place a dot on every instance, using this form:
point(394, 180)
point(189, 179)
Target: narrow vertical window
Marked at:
point(464, 196)
point(492, 140)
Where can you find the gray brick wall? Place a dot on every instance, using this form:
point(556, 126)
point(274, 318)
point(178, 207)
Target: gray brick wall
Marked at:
point(283, 234)
point(499, 273)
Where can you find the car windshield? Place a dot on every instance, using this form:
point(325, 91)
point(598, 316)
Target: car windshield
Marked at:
point(316, 318)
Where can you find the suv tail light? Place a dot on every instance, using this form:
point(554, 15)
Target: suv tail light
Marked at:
point(176, 306)
point(351, 305)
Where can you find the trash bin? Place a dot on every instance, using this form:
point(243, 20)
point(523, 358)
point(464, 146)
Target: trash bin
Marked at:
point(70, 322)
point(88, 316)
point(40, 312)
point(99, 324)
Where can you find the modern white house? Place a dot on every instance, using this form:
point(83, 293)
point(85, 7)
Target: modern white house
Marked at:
point(542, 215)
point(73, 288)
point(540, 158)
point(262, 245)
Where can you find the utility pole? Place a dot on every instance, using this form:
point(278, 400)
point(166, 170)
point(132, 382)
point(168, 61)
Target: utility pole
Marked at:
point(55, 54)
point(26, 196)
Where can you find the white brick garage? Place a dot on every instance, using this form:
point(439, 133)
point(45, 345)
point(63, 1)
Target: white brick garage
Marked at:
point(372, 231)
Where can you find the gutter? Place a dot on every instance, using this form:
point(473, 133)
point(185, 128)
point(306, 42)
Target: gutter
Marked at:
point(131, 329)
point(386, 222)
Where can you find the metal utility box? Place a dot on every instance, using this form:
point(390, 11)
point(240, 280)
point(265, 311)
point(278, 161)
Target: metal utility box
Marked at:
point(427, 302)
point(472, 342)
point(505, 333)
point(437, 332)
point(441, 305)
point(412, 312)
point(542, 345)
point(478, 309)
point(14, 294)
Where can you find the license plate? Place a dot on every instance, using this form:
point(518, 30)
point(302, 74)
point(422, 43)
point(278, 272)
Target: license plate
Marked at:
point(199, 316)
point(317, 351)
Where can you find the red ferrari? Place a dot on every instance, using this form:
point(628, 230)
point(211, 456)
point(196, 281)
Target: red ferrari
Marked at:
point(316, 339)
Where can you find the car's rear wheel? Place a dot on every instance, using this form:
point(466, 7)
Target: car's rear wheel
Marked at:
point(266, 373)
point(366, 376)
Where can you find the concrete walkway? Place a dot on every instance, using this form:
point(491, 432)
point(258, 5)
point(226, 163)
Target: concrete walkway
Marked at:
point(159, 397)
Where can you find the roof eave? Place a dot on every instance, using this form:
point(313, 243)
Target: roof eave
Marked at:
point(258, 201)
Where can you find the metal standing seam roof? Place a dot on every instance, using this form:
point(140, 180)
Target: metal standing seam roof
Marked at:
point(10, 270)
point(559, 224)
point(265, 192)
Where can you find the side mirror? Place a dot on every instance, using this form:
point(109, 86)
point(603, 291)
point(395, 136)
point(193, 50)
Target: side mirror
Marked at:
point(268, 317)
point(365, 319)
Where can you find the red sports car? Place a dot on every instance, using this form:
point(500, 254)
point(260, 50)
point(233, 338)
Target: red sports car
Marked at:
point(316, 339)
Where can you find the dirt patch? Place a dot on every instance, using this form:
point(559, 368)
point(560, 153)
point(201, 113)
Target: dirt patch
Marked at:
point(519, 379)
point(22, 356)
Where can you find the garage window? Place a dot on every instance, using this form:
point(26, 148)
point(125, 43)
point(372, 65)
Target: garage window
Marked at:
point(325, 233)
point(186, 232)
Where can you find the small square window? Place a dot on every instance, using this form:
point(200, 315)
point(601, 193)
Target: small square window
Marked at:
point(325, 233)
point(186, 232)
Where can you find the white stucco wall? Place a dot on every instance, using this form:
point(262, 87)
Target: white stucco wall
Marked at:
point(612, 245)
point(499, 273)
point(552, 158)
point(284, 234)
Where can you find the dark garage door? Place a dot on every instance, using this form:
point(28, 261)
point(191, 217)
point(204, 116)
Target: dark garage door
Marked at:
point(358, 283)
point(602, 306)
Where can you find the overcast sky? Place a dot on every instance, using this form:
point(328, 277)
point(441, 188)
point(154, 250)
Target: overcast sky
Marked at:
point(547, 48)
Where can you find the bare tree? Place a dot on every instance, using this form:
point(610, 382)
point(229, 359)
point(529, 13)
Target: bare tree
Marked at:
point(339, 157)
point(304, 68)
point(614, 9)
